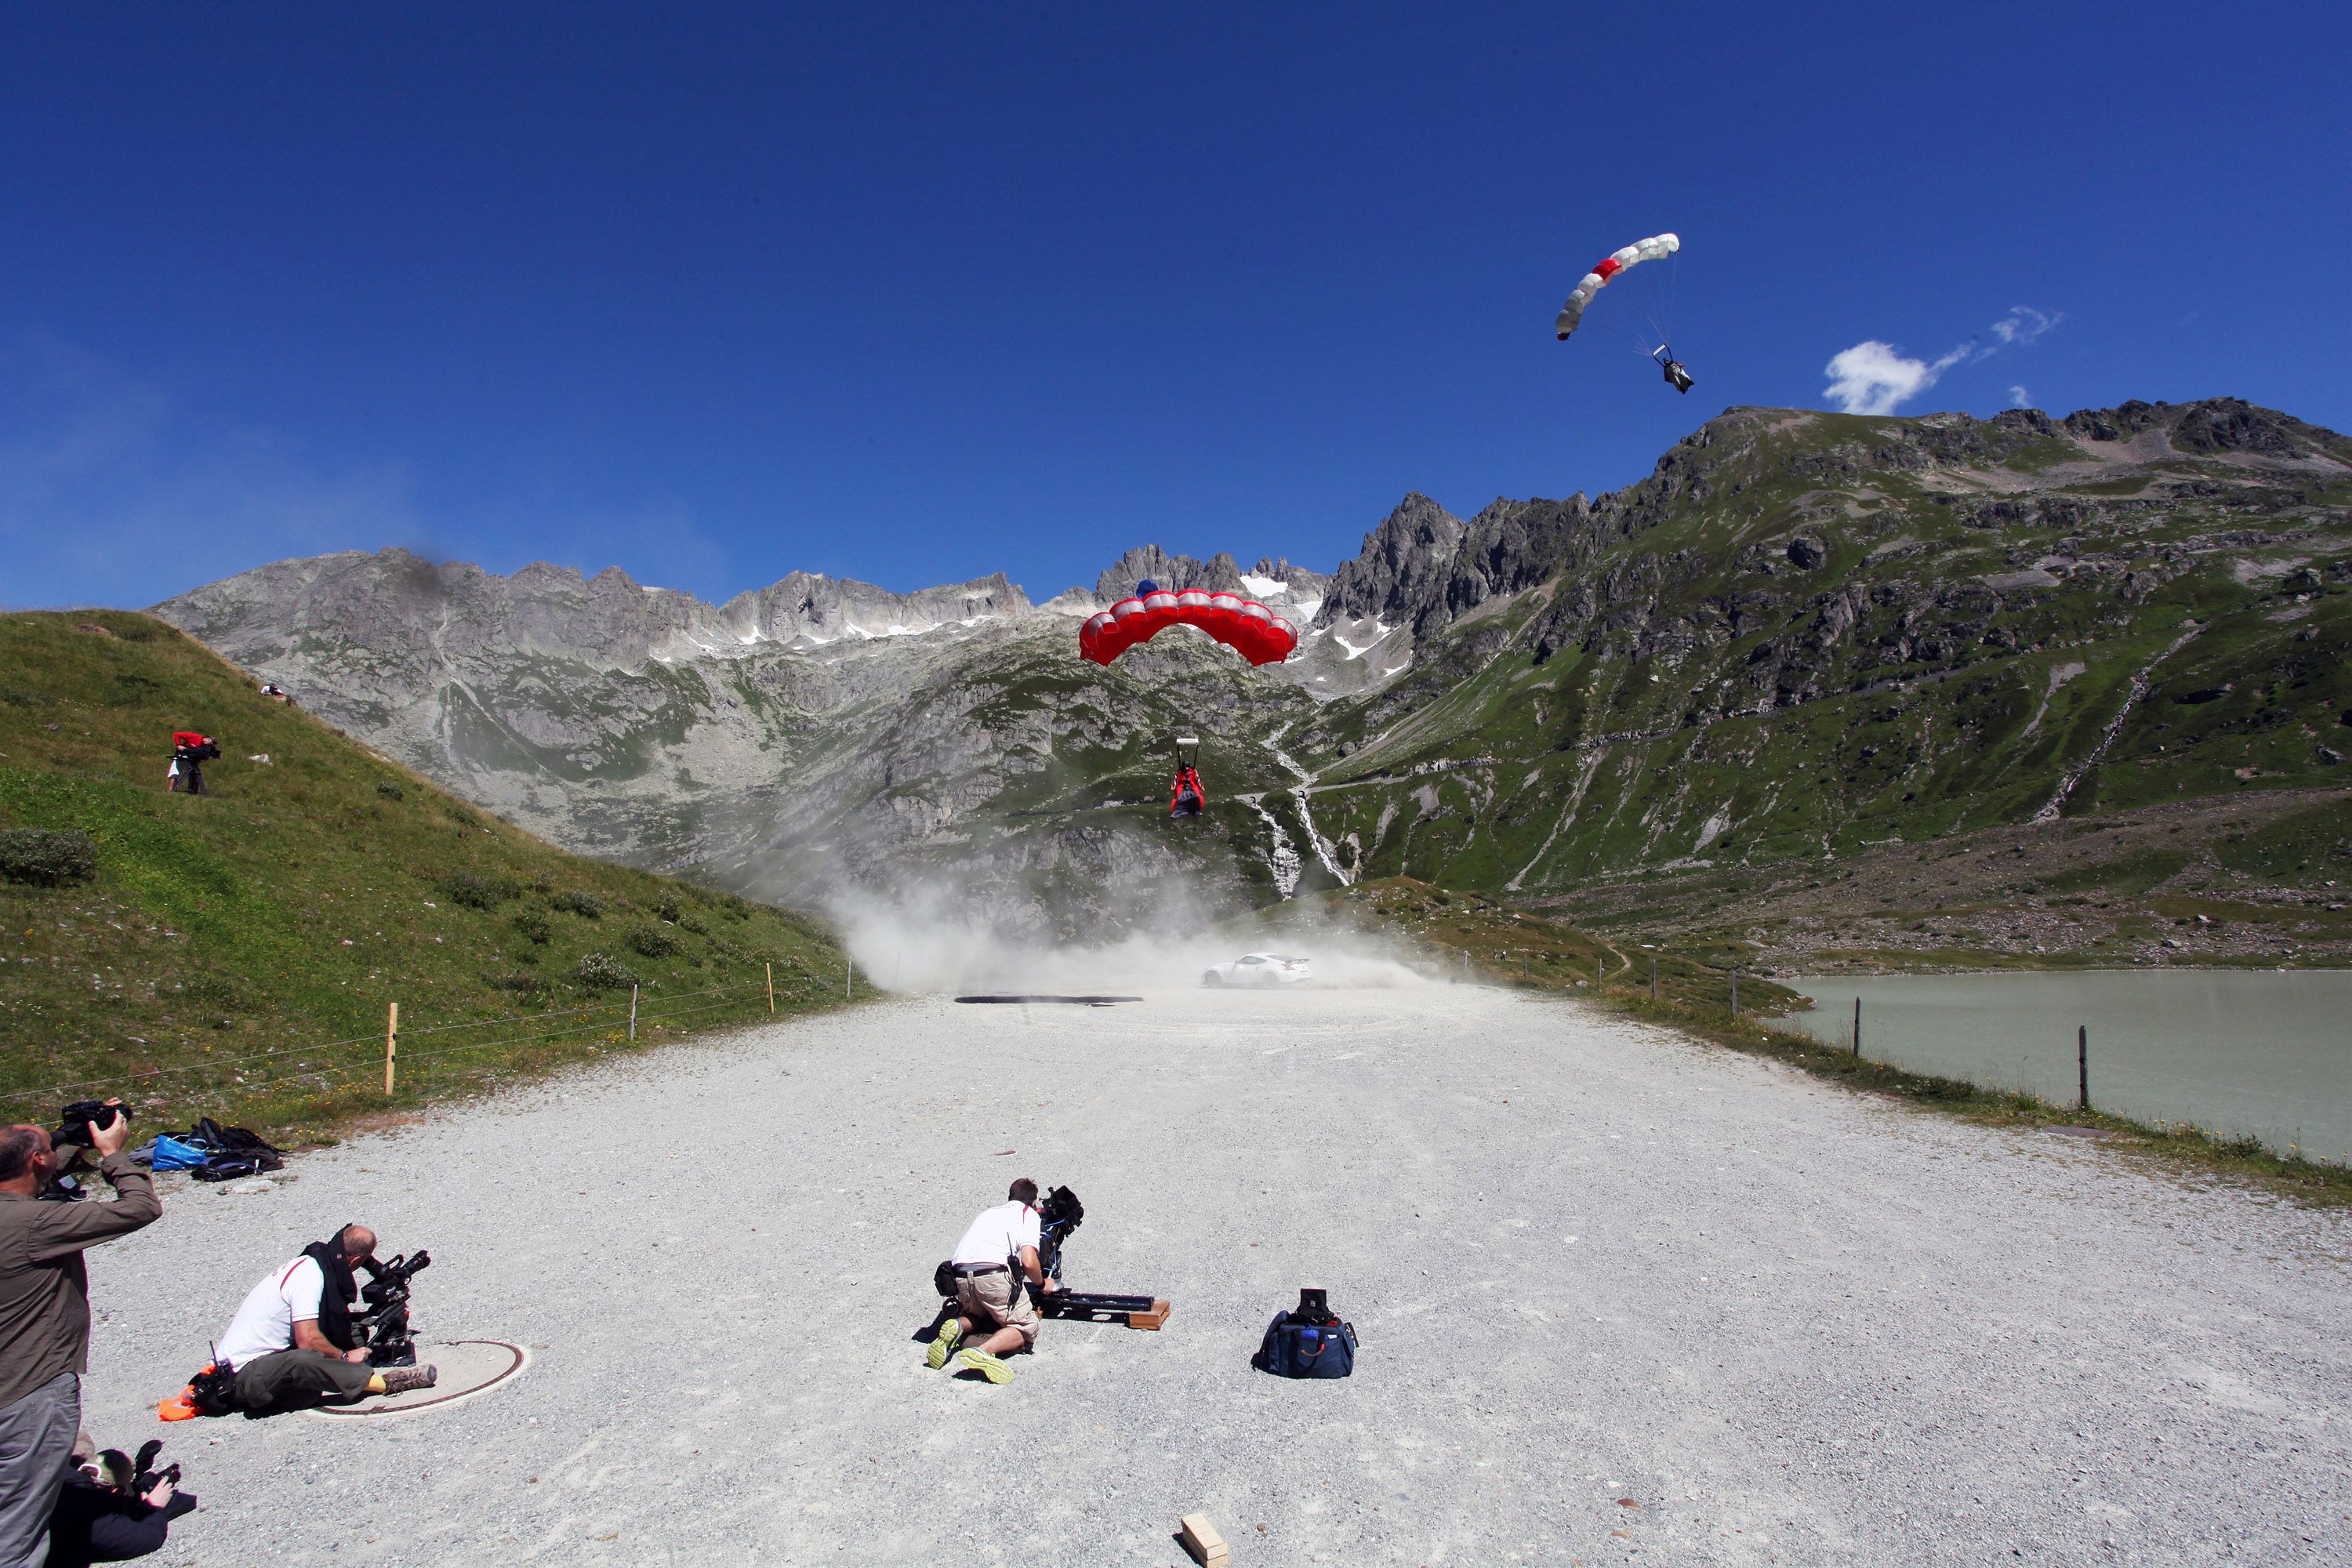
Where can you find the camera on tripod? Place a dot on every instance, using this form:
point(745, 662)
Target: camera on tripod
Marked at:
point(385, 1321)
point(1057, 1216)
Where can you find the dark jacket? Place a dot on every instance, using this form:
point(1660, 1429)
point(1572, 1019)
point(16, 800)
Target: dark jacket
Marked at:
point(92, 1523)
point(44, 1290)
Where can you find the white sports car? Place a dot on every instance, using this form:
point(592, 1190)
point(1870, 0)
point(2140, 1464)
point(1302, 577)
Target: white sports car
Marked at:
point(1259, 969)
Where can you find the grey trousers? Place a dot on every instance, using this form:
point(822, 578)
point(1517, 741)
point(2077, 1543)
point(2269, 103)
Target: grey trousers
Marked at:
point(37, 1433)
point(296, 1377)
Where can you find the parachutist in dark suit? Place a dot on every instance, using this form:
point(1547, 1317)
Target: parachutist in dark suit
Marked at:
point(1676, 376)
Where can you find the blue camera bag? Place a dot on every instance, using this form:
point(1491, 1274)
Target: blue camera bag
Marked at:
point(1307, 1349)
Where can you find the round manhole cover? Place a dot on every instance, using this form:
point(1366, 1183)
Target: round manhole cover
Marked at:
point(468, 1367)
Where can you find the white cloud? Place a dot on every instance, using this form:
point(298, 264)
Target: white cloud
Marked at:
point(2020, 398)
point(2022, 325)
point(1873, 377)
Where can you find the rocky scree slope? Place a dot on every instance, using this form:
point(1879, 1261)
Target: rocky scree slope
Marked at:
point(813, 740)
point(1802, 634)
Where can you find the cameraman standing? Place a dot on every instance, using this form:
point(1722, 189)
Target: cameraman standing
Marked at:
point(292, 1340)
point(45, 1318)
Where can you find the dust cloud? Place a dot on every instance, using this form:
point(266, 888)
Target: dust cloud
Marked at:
point(924, 941)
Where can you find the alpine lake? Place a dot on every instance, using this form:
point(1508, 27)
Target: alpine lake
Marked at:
point(2266, 1053)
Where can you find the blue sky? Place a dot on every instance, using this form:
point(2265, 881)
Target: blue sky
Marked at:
point(916, 294)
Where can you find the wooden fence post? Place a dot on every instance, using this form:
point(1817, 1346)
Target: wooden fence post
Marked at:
point(633, 1015)
point(1654, 977)
point(771, 986)
point(1735, 991)
point(391, 1043)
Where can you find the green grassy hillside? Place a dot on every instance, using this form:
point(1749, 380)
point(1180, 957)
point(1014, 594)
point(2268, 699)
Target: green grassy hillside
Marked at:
point(235, 953)
point(1810, 634)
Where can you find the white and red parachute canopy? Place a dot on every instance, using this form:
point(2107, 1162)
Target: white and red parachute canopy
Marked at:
point(1657, 247)
point(1246, 626)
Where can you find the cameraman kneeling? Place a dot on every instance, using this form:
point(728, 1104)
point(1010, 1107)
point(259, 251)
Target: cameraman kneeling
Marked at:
point(293, 1342)
point(998, 1248)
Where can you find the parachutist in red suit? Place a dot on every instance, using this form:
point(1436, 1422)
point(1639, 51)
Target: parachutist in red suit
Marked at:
point(1186, 799)
point(1676, 376)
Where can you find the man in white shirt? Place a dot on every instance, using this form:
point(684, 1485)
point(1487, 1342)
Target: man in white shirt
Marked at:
point(292, 1341)
point(996, 1252)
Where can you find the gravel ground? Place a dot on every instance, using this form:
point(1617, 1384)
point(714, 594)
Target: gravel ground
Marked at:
point(1621, 1296)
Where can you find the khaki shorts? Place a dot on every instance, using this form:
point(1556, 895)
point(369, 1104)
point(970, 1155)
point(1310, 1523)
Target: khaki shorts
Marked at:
point(997, 1298)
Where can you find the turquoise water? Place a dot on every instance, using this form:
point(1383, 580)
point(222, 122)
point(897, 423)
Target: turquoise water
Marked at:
point(2230, 1051)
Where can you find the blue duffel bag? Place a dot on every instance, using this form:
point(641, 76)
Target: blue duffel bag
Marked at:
point(1316, 1349)
point(171, 1154)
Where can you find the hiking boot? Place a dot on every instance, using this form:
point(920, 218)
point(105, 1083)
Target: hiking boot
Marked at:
point(944, 1342)
point(990, 1367)
point(405, 1379)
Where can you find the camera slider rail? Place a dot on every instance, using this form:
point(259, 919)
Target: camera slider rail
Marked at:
point(1095, 1306)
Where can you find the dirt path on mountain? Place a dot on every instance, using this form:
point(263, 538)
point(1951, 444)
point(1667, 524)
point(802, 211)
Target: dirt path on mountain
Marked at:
point(1618, 1293)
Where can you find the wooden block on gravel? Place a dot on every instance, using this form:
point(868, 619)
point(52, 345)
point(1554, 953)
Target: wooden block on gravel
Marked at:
point(1151, 1320)
point(1202, 1539)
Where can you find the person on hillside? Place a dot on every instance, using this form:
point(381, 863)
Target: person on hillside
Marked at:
point(291, 1342)
point(998, 1250)
point(45, 1320)
point(190, 752)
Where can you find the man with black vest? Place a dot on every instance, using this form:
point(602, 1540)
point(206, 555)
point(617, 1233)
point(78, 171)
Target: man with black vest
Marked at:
point(293, 1343)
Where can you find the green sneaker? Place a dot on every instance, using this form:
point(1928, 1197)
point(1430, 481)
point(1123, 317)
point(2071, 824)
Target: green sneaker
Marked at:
point(943, 1345)
point(990, 1367)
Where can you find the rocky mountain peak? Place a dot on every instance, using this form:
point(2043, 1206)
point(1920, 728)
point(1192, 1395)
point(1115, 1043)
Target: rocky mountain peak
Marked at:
point(1218, 574)
point(1424, 567)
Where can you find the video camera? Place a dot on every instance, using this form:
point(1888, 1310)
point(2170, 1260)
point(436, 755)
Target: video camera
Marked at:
point(385, 1321)
point(74, 1129)
point(1057, 1216)
point(129, 1477)
point(76, 1122)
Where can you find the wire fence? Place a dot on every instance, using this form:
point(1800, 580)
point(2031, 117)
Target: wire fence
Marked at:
point(387, 1049)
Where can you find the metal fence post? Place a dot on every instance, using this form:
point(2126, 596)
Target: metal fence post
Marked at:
point(633, 1015)
point(2083, 1062)
point(1857, 1028)
point(1735, 991)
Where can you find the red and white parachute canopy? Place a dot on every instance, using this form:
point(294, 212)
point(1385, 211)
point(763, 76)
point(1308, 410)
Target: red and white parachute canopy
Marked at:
point(1248, 627)
point(1656, 248)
